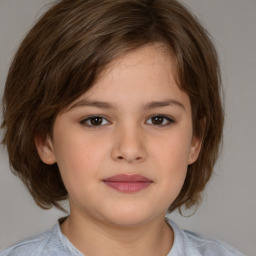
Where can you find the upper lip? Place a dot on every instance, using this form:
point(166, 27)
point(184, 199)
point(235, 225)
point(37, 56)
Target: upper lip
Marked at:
point(127, 178)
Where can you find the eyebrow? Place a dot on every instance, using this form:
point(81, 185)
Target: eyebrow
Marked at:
point(107, 105)
point(92, 103)
point(165, 103)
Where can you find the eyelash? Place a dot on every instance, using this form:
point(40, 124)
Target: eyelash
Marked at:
point(83, 122)
point(166, 118)
point(90, 118)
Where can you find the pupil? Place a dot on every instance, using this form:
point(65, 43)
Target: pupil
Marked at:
point(96, 121)
point(157, 120)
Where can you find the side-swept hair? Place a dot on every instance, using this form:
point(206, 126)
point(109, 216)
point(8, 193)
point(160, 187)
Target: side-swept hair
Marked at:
point(64, 53)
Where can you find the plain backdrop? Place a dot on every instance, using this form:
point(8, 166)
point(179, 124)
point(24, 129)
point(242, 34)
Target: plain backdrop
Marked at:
point(229, 208)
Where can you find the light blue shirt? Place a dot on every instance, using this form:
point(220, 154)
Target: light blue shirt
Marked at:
point(54, 243)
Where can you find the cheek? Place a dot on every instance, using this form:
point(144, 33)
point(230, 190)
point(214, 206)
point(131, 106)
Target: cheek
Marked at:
point(79, 162)
point(174, 167)
point(173, 150)
point(77, 150)
point(171, 155)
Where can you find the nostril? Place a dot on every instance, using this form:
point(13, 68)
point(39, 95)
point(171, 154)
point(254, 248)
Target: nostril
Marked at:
point(129, 152)
point(129, 159)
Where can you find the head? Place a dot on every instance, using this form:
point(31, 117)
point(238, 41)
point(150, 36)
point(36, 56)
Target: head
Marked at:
point(65, 54)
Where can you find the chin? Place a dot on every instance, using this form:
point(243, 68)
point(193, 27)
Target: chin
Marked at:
point(129, 217)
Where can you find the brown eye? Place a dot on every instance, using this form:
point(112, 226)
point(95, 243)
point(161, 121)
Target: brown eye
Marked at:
point(157, 120)
point(94, 121)
point(160, 120)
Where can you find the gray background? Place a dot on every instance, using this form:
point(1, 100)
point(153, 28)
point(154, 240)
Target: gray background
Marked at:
point(229, 208)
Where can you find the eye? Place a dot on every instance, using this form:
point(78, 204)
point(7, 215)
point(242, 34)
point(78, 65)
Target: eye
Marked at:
point(160, 120)
point(94, 121)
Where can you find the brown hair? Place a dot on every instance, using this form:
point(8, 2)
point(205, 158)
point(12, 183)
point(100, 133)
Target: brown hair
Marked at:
point(64, 53)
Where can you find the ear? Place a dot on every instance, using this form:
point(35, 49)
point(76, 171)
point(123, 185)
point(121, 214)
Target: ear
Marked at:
point(45, 150)
point(196, 144)
point(195, 148)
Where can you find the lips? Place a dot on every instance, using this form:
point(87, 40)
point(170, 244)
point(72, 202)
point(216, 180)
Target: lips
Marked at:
point(128, 183)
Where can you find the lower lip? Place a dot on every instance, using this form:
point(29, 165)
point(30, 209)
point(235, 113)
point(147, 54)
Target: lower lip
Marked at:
point(128, 187)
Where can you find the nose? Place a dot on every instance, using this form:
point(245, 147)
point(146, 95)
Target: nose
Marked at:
point(129, 145)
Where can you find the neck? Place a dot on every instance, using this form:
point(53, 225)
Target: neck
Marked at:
point(97, 238)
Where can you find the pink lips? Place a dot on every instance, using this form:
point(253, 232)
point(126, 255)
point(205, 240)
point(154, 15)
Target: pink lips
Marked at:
point(128, 183)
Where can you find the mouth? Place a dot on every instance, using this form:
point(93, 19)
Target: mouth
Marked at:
point(128, 183)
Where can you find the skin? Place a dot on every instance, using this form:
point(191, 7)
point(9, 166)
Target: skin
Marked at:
point(127, 140)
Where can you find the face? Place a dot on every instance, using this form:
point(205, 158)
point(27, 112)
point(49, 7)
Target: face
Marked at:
point(124, 146)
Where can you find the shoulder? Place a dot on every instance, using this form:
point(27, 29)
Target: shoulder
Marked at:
point(208, 246)
point(191, 243)
point(46, 243)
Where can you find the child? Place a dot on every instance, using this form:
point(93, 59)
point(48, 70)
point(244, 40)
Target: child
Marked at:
point(115, 106)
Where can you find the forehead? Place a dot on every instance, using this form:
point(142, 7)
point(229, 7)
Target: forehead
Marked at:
point(146, 66)
point(149, 56)
point(141, 80)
